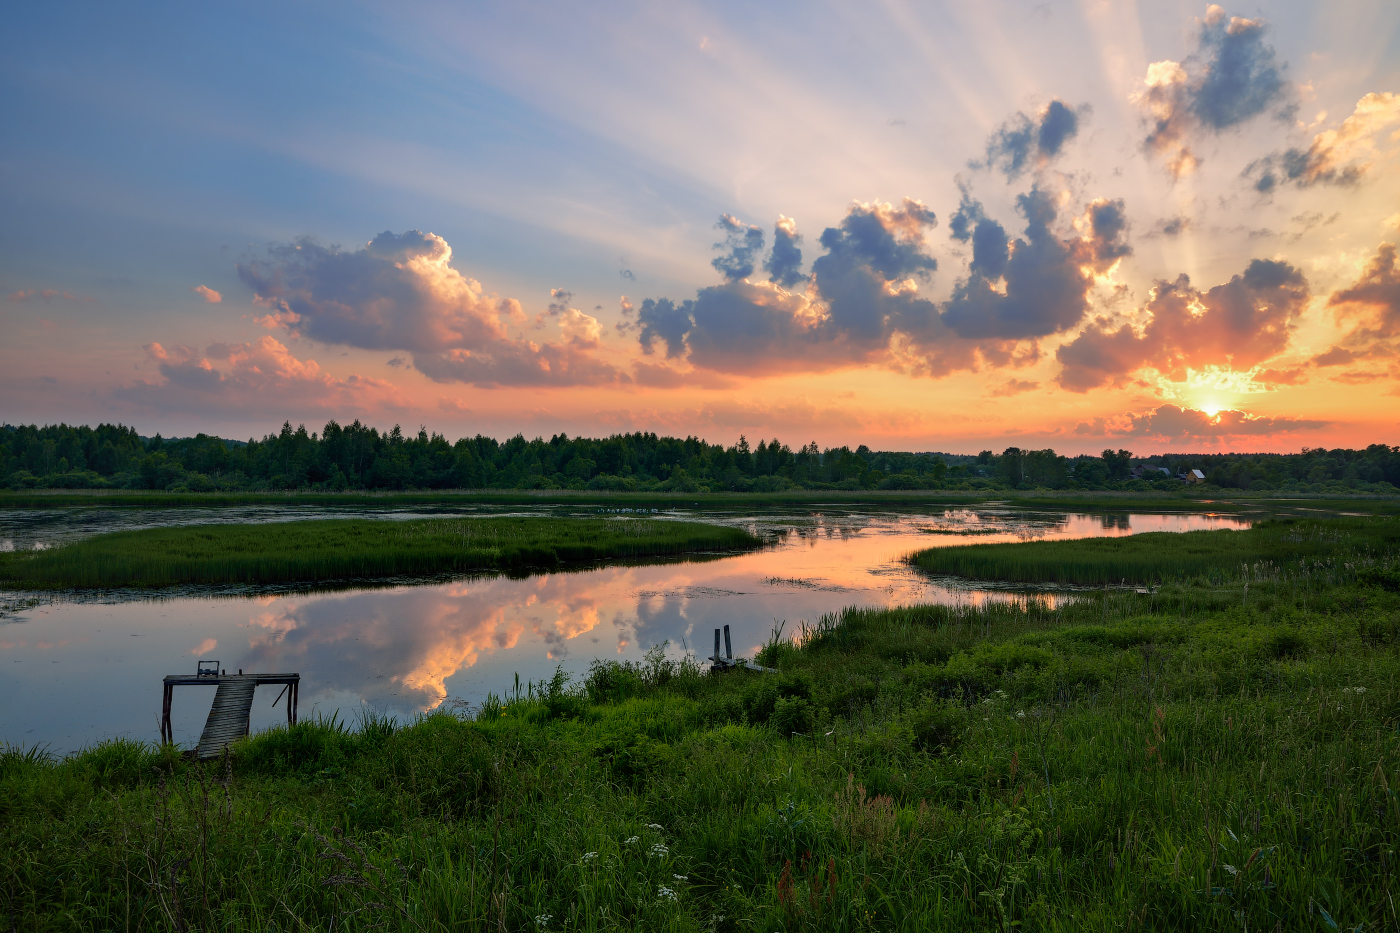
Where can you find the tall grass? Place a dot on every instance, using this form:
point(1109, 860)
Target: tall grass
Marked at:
point(310, 551)
point(1157, 556)
point(1216, 757)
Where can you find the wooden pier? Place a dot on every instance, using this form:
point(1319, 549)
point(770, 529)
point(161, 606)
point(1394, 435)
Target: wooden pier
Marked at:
point(233, 703)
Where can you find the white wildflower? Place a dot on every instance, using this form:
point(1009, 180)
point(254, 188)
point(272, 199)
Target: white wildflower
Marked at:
point(630, 839)
point(1020, 714)
point(666, 894)
point(542, 921)
point(653, 826)
point(1360, 690)
point(681, 877)
point(660, 850)
point(588, 857)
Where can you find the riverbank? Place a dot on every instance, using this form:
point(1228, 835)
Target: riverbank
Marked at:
point(1204, 756)
point(313, 551)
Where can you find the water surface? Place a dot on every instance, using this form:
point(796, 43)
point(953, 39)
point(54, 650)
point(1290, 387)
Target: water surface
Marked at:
point(76, 670)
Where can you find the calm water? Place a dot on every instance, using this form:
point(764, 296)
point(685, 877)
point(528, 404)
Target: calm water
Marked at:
point(72, 672)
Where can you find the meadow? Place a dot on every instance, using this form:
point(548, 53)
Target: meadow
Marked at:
point(1221, 753)
point(350, 549)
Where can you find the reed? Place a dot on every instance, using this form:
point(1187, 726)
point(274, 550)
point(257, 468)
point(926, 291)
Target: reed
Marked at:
point(353, 549)
point(1158, 556)
point(1204, 757)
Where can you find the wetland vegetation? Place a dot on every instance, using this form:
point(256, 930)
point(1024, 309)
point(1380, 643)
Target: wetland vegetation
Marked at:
point(1157, 556)
point(1218, 754)
point(346, 549)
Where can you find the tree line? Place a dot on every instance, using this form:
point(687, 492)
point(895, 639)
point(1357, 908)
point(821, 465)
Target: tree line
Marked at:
point(357, 456)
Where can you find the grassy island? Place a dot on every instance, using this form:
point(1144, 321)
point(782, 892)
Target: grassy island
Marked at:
point(1218, 754)
point(1157, 556)
point(344, 549)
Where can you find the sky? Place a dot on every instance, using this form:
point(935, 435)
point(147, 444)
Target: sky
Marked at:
point(935, 226)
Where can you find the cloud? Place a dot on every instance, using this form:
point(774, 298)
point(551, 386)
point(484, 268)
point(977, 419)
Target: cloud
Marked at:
point(1239, 324)
point(1171, 226)
point(1036, 285)
point(1014, 387)
point(40, 294)
point(1024, 142)
point(863, 304)
point(1372, 303)
point(1169, 421)
point(257, 376)
point(1336, 156)
point(784, 263)
point(1229, 79)
point(863, 307)
point(208, 294)
point(742, 243)
point(400, 292)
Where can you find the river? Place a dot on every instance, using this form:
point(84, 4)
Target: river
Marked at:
point(74, 670)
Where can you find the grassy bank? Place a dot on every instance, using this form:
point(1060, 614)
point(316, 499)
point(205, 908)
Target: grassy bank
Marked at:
point(340, 549)
point(1208, 757)
point(1157, 556)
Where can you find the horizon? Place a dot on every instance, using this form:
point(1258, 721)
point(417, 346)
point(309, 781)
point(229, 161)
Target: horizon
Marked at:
point(1061, 227)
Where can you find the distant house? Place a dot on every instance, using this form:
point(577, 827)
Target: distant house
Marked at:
point(1191, 476)
point(1148, 472)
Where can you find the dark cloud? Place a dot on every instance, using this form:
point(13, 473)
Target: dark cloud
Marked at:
point(1239, 78)
point(1175, 226)
point(400, 292)
point(1230, 78)
point(1024, 142)
point(1036, 285)
point(742, 243)
point(784, 263)
point(1239, 324)
point(863, 296)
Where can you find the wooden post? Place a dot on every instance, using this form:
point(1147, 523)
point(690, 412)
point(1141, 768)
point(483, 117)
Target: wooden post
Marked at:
point(165, 733)
point(728, 651)
point(289, 704)
point(296, 691)
point(716, 657)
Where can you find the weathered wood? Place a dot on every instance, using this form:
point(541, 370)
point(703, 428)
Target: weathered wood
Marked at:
point(228, 718)
point(233, 703)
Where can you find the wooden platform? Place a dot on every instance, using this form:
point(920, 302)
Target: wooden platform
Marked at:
point(233, 704)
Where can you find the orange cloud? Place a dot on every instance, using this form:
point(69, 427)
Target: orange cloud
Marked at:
point(208, 294)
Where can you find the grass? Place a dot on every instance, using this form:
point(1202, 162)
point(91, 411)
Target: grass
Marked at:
point(1157, 556)
point(1208, 757)
point(340, 549)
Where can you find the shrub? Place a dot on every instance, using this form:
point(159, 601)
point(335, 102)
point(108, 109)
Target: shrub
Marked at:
point(793, 716)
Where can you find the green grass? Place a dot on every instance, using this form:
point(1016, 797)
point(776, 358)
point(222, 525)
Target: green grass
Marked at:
point(342, 549)
point(1157, 556)
point(1209, 757)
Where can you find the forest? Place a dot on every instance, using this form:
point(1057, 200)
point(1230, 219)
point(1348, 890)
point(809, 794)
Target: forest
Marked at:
point(360, 457)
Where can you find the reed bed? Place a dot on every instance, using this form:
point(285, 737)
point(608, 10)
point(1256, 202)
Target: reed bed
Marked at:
point(347, 549)
point(1204, 757)
point(1157, 556)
